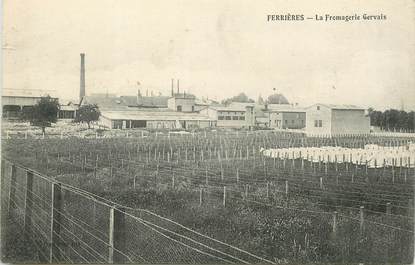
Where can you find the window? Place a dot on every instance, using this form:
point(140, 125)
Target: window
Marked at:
point(318, 107)
point(220, 118)
point(302, 122)
point(227, 117)
point(320, 123)
point(315, 123)
point(193, 108)
point(292, 121)
point(286, 121)
point(179, 108)
point(235, 118)
point(242, 118)
point(298, 116)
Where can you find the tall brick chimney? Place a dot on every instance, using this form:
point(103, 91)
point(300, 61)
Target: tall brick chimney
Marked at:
point(82, 84)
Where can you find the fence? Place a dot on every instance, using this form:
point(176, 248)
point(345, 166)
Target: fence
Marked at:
point(70, 225)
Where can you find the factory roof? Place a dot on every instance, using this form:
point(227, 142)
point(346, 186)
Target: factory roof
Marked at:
point(339, 107)
point(160, 115)
point(27, 93)
point(105, 103)
point(141, 101)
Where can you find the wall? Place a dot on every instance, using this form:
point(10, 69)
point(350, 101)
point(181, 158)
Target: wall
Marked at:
point(231, 119)
point(186, 103)
point(324, 114)
point(20, 101)
point(349, 122)
point(275, 119)
point(295, 120)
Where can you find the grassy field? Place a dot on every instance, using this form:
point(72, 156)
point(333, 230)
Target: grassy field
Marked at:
point(167, 175)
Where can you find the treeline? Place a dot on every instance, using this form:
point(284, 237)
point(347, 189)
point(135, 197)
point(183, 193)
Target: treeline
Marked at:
point(392, 119)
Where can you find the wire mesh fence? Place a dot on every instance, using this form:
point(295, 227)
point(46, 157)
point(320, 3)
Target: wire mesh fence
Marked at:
point(69, 225)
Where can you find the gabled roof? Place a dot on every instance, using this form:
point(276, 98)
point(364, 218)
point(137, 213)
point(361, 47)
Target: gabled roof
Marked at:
point(147, 102)
point(184, 96)
point(227, 108)
point(105, 103)
point(151, 115)
point(339, 107)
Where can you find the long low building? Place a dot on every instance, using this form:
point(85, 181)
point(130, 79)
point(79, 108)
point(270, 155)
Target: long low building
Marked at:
point(152, 119)
point(231, 117)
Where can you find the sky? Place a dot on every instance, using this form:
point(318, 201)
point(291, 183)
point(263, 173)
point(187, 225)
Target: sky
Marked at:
point(216, 48)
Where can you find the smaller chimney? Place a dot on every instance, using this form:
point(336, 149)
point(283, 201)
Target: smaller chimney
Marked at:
point(172, 87)
point(178, 86)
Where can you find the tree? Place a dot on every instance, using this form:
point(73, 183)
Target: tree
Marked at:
point(241, 97)
point(88, 113)
point(43, 113)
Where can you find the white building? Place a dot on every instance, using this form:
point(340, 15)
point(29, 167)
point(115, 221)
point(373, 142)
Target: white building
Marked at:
point(331, 120)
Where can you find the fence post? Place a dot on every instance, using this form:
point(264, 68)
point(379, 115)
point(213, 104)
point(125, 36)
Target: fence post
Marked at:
point(173, 181)
point(200, 196)
point(321, 182)
point(117, 235)
point(388, 208)
point(246, 191)
point(12, 190)
point(335, 223)
point(55, 229)
point(411, 207)
point(267, 190)
point(28, 204)
point(362, 218)
point(224, 196)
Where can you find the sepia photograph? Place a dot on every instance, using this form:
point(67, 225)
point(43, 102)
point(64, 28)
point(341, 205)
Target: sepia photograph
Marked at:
point(207, 132)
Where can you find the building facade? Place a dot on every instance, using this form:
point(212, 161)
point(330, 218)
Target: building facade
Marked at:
point(16, 101)
point(287, 118)
point(154, 120)
point(182, 102)
point(231, 117)
point(332, 120)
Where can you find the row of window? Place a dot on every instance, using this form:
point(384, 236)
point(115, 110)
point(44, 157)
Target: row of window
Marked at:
point(231, 112)
point(318, 123)
point(235, 118)
point(292, 121)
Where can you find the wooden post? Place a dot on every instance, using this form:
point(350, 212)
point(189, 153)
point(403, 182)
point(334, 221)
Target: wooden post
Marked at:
point(173, 183)
point(200, 196)
point(267, 191)
point(246, 191)
point(321, 182)
point(55, 229)
point(362, 219)
point(12, 190)
point(388, 208)
point(207, 177)
point(224, 196)
point(335, 223)
point(286, 188)
point(411, 207)
point(117, 236)
point(28, 204)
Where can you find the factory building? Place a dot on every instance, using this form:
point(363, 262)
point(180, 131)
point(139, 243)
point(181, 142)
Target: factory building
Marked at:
point(286, 117)
point(231, 117)
point(15, 101)
point(154, 119)
point(182, 102)
point(331, 120)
